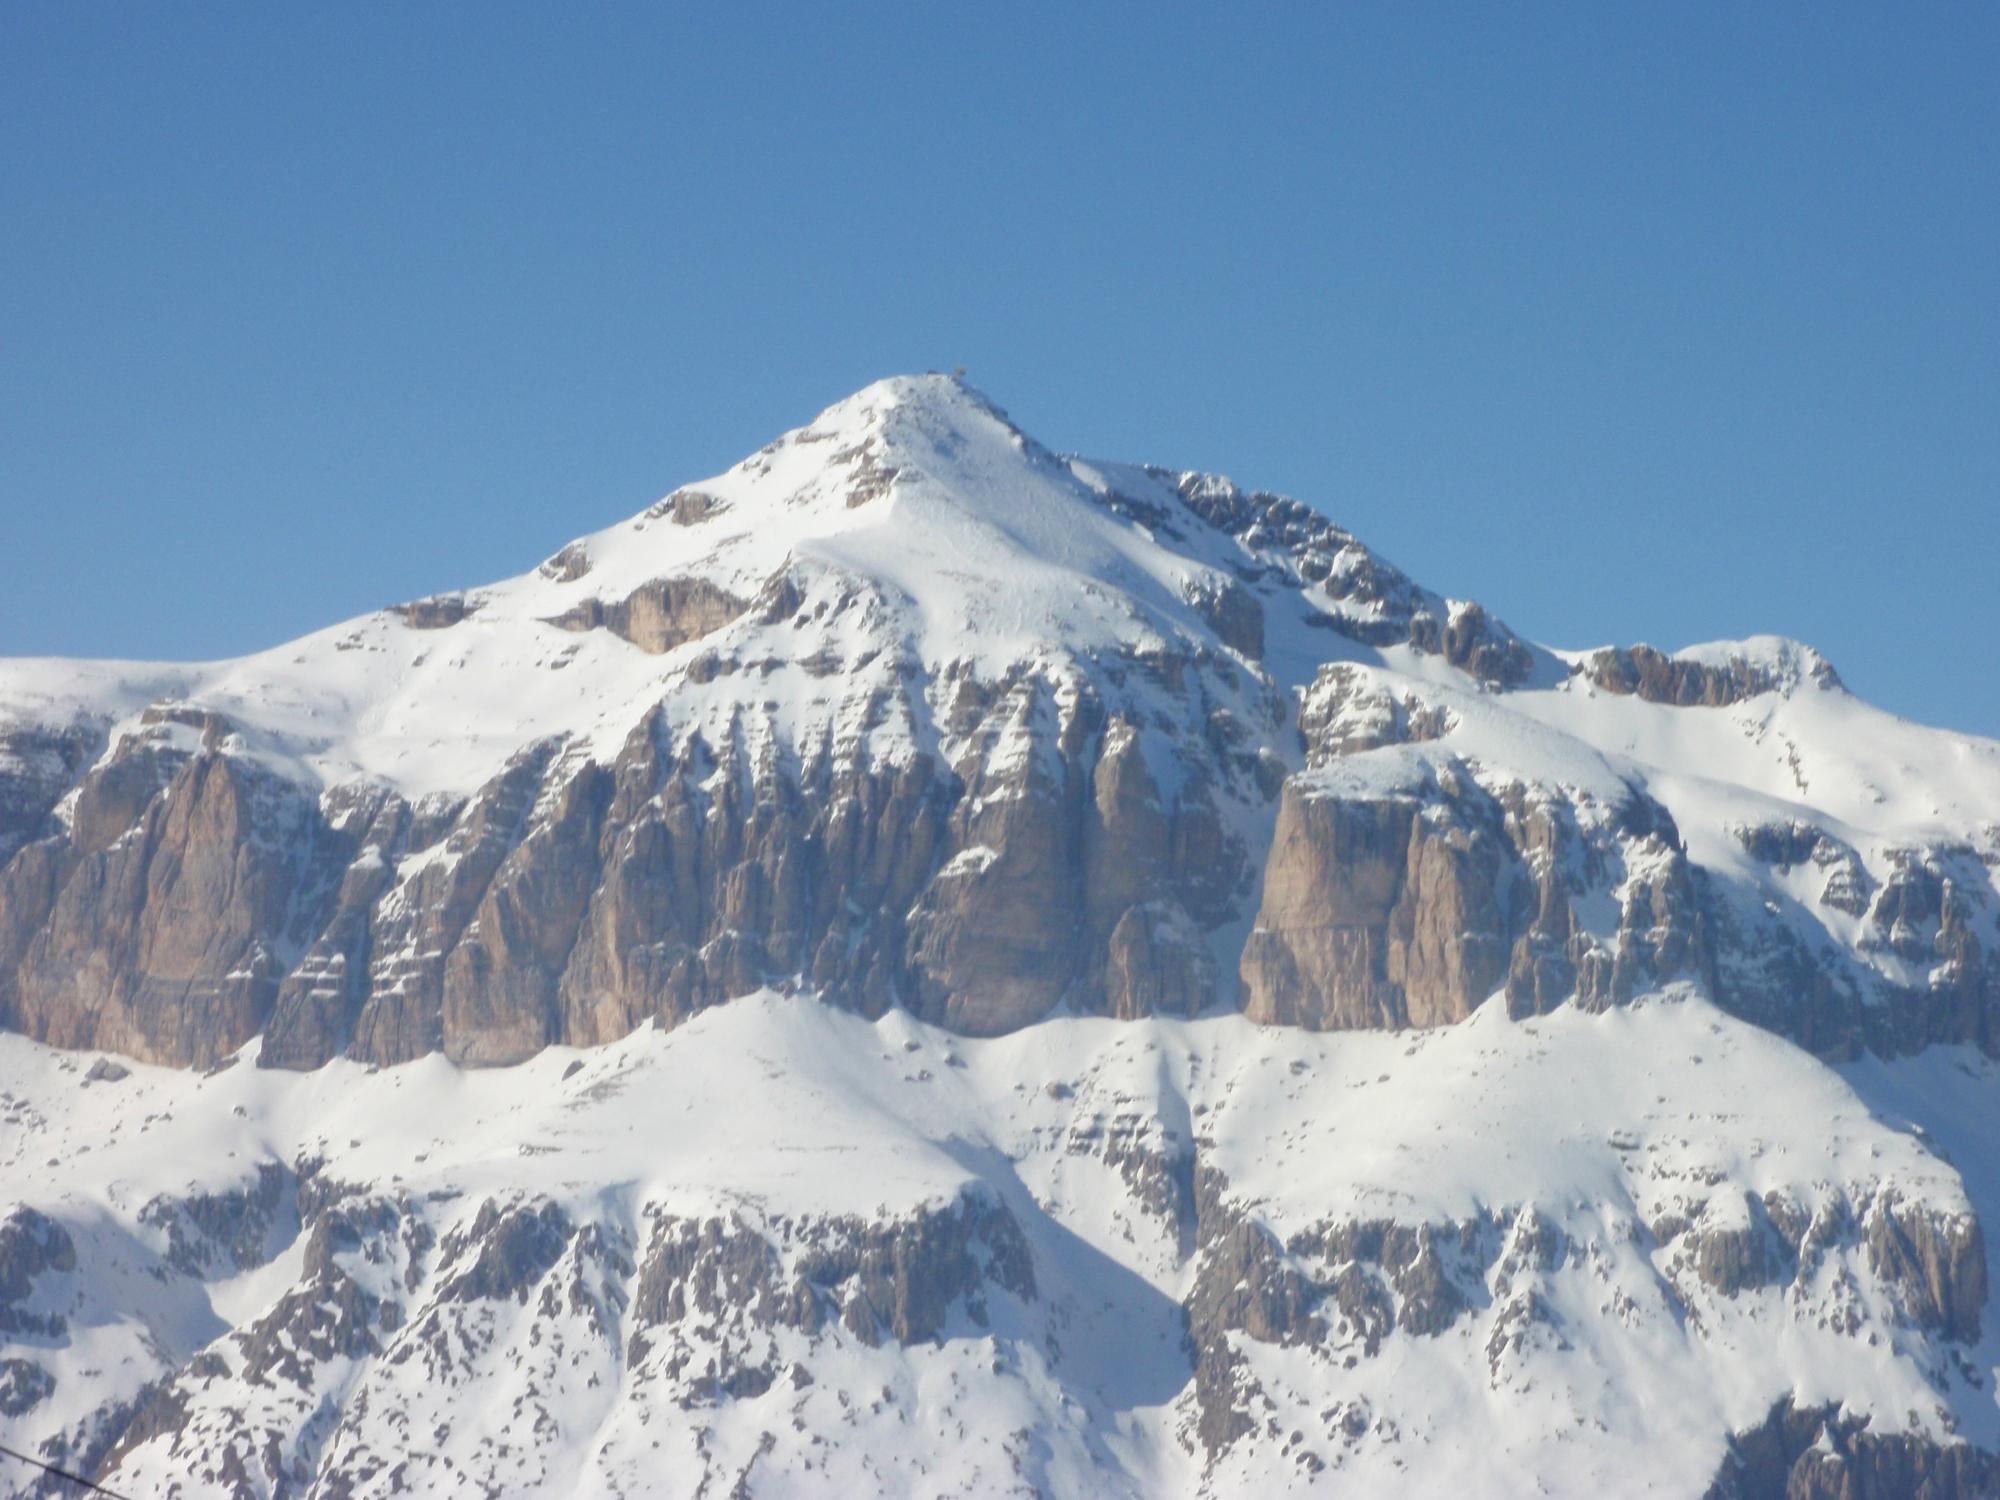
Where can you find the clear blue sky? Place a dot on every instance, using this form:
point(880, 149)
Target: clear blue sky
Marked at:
point(1634, 322)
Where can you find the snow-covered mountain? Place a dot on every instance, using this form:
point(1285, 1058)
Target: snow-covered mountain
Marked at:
point(1206, 1015)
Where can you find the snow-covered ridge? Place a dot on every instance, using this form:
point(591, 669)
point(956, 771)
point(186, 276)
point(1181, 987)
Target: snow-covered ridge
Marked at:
point(501, 1244)
point(1000, 795)
point(910, 606)
point(975, 548)
point(978, 546)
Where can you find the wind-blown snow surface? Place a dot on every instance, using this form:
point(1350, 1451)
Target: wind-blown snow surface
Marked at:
point(1079, 1384)
point(785, 1249)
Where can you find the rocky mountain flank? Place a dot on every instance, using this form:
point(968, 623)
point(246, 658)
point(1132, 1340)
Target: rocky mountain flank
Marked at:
point(1092, 1258)
point(1211, 735)
point(909, 718)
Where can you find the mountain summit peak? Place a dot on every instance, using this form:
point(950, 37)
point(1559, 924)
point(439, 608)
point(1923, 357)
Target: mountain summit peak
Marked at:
point(926, 388)
point(907, 715)
point(930, 403)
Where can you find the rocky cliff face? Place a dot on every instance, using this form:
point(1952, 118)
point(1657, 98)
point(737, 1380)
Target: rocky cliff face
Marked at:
point(865, 717)
point(913, 719)
point(160, 924)
point(1406, 884)
point(1817, 1454)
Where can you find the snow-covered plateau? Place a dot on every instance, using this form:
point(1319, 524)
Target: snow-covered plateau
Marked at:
point(924, 966)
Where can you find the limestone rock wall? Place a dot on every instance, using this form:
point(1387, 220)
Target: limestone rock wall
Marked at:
point(191, 897)
point(1410, 904)
point(167, 938)
point(1645, 672)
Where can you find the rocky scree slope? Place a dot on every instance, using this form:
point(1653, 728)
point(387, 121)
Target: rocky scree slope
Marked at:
point(909, 715)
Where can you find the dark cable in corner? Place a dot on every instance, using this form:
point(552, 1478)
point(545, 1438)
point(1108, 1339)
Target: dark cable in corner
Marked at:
point(88, 1484)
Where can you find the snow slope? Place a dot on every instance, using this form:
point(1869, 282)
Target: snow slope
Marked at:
point(985, 551)
point(1729, 1158)
point(1582, 1130)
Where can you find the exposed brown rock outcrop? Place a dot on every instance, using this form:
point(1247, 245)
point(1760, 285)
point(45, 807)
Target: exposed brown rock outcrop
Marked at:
point(1786, 845)
point(1318, 956)
point(1157, 963)
point(1346, 1284)
point(1232, 612)
point(572, 902)
point(437, 612)
point(1350, 708)
point(167, 942)
point(501, 1000)
point(1937, 1263)
point(995, 938)
point(1058, 888)
point(1641, 671)
point(32, 1245)
point(896, 1281)
point(1817, 1453)
point(687, 507)
point(1408, 895)
point(660, 615)
point(712, 884)
point(1927, 916)
point(568, 565)
point(421, 919)
point(313, 1018)
point(37, 766)
point(1477, 643)
point(1377, 912)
